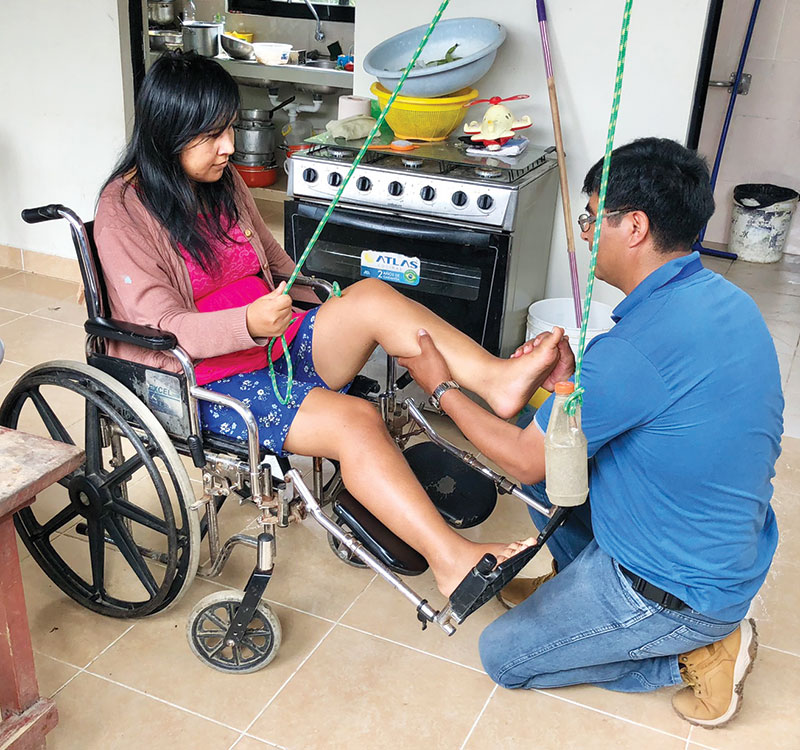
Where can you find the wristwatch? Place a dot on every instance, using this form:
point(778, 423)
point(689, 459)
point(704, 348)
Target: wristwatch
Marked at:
point(440, 390)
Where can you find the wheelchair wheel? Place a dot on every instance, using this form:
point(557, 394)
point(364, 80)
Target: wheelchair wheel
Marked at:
point(210, 620)
point(131, 496)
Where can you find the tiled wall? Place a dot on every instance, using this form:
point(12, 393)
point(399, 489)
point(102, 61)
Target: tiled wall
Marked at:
point(763, 142)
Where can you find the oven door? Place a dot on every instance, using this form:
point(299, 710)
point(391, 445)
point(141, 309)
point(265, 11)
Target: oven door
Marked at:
point(461, 274)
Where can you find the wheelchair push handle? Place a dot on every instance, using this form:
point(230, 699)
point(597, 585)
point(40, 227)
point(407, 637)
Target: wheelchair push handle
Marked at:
point(42, 213)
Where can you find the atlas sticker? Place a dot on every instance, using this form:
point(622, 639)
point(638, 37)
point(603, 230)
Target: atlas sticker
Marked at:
point(393, 267)
point(164, 393)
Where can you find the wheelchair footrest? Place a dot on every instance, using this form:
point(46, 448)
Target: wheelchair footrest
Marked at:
point(389, 548)
point(487, 579)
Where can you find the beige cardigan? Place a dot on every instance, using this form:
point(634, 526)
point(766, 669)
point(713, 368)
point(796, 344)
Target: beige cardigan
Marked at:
point(148, 283)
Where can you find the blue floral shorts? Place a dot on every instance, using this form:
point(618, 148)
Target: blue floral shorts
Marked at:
point(255, 390)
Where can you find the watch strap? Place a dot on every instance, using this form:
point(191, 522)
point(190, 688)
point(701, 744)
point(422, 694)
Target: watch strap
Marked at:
point(440, 390)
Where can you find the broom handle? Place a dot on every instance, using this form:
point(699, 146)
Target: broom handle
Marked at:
point(562, 165)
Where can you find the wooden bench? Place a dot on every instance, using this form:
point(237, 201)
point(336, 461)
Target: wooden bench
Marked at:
point(28, 465)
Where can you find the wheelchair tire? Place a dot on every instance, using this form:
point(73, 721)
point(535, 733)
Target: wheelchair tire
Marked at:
point(210, 619)
point(123, 585)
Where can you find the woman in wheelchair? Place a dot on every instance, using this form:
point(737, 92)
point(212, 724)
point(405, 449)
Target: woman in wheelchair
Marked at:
point(183, 248)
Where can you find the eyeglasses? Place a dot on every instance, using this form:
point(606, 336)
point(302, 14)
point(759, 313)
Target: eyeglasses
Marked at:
point(586, 220)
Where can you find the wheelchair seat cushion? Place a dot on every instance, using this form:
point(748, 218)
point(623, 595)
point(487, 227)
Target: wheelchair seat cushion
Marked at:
point(255, 390)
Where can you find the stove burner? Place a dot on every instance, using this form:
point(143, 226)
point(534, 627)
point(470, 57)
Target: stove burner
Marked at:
point(411, 163)
point(488, 173)
point(338, 153)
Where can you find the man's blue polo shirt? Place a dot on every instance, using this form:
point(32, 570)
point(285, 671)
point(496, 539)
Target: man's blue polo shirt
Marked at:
point(683, 416)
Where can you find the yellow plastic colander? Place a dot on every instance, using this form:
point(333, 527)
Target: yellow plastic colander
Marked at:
point(425, 119)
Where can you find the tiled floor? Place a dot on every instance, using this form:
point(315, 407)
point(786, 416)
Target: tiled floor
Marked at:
point(355, 670)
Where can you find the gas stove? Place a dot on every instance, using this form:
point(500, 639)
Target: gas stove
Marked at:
point(435, 180)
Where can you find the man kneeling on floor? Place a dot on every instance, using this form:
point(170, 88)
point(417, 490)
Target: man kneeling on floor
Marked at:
point(682, 411)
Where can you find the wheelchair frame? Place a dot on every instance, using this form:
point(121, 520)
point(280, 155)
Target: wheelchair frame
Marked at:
point(279, 501)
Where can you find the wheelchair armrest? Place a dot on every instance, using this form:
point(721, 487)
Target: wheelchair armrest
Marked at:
point(129, 333)
point(318, 285)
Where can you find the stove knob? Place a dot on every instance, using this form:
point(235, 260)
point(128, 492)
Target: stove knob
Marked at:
point(334, 179)
point(395, 188)
point(427, 193)
point(459, 198)
point(310, 175)
point(363, 184)
point(485, 202)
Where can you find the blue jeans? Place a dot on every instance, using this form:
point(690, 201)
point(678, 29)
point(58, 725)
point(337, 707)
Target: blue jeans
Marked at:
point(588, 626)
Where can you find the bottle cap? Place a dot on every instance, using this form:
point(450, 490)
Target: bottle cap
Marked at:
point(564, 388)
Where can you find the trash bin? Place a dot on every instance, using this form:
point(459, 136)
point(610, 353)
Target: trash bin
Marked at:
point(760, 221)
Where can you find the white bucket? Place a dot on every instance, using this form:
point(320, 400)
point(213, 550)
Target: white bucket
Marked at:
point(560, 311)
point(758, 233)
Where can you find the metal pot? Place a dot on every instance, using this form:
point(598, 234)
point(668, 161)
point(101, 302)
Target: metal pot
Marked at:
point(254, 132)
point(162, 12)
point(161, 39)
point(203, 38)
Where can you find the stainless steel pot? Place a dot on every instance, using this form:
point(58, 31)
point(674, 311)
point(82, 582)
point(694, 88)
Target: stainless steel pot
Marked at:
point(161, 39)
point(254, 133)
point(162, 12)
point(203, 38)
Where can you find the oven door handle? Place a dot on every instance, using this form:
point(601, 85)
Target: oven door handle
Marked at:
point(385, 225)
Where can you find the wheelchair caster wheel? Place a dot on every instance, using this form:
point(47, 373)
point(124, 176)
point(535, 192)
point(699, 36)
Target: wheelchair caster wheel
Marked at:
point(210, 620)
point(340, 550)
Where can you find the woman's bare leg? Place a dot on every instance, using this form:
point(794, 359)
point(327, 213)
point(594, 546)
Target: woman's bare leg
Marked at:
point(371, 312)
point(350, 431)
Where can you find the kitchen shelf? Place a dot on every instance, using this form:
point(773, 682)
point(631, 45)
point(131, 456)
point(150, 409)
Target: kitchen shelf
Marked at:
point(302, 74)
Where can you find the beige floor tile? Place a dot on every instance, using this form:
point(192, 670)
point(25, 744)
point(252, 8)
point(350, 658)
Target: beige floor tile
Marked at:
point(528, 719)
point(65, 311)
point(9, 373)
point(776, 608)
point(308, 575)
point(776, 306)
point(250, 743)
point(51, 674)
point(719, 265)
point(31, 340)
point(6, 270)
point(768, 718)
point(369, 693)
point(384, 612)
point(651, 709)
point(787, 469)
point(8, 315)
point(59, 626)
point(138, 660)
point(771, 278)
point(95, 714)
point(67, 405)
point(26, 292)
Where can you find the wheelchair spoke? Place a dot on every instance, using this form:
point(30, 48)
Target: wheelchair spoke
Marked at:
point(139, 515)
point(97, 555)
point(219, 623)
point(61, 518)
point(52, 422)
point(126, 545)
point(121, 473)
point(94, 443)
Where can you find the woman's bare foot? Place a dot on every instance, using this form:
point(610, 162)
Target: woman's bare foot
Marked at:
point(518, 378)
point(449, 573)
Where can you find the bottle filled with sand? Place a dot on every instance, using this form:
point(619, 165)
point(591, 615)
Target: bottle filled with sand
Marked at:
point(565, 456)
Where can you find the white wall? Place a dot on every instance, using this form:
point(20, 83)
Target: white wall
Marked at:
point(763, 143)
point(63, 104)
point(663, 55)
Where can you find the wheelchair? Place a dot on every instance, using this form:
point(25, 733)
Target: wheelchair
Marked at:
point(133, 495)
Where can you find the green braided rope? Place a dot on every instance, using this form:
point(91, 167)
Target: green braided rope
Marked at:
point(576, 399)
point(314, 237)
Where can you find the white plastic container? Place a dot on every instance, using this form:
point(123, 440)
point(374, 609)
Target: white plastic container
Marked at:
point(272, 53)
point(560, 311)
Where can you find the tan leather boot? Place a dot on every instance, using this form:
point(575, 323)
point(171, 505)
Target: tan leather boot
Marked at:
point(519, 589)
point(715, 676)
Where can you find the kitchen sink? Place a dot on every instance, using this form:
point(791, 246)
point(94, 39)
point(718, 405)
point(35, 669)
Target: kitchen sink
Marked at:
point(327, 64)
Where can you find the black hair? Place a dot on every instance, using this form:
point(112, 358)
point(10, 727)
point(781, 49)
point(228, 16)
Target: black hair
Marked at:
point(667, 181)
point(182, 96)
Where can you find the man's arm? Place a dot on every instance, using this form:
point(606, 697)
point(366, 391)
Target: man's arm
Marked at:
point(517, 452)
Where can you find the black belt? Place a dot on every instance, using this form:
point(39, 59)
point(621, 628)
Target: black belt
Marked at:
point(653, 593)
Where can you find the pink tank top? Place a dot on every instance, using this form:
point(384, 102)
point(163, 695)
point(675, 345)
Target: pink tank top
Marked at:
point(236, 283)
